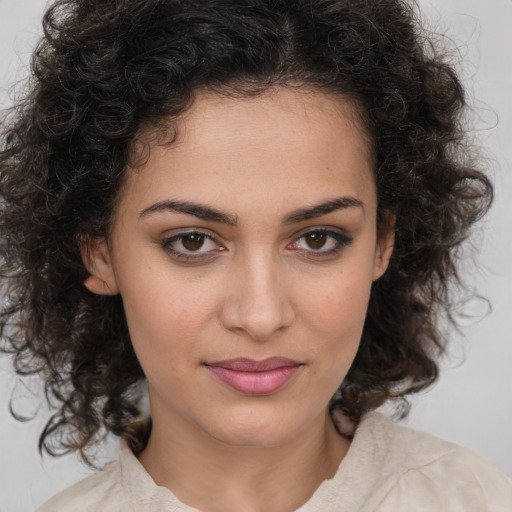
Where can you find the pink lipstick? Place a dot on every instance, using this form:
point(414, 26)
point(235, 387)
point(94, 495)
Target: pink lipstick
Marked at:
point(252, 377)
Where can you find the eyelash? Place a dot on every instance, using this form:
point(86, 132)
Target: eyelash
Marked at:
point(192, 255)
point(341, 241)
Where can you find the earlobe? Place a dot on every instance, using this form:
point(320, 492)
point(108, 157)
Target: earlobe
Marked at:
point(99, 287)
point(97, 261)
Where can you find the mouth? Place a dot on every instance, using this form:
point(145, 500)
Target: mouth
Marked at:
point(251, 377)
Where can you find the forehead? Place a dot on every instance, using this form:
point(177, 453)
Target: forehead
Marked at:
point(285, 142)
point(280, 116)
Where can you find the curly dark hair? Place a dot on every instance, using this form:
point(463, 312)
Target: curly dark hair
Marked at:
point(106, 69)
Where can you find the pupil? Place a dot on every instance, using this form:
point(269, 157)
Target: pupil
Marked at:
point(193, 242)
point(316, 240)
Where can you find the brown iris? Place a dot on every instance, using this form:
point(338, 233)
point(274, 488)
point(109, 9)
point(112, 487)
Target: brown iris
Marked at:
point(193, 241)
point(316, 239)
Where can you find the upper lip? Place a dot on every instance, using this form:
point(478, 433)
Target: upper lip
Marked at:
point(243, 364)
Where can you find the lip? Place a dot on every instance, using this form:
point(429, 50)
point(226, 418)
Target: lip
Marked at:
point(251, 377)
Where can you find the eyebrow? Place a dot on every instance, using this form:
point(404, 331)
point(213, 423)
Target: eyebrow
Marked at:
point(209, 213)
point(332, 205)
point(197, 210)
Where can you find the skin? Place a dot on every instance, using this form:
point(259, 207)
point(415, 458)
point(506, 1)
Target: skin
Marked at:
point(258, 287)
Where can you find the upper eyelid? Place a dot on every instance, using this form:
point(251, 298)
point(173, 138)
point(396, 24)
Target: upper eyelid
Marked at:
point(190, 231)
point(324, 229)
point(167, 237)
point(212, 234)
point(217, 238)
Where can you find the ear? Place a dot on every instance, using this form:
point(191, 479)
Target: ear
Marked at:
point(384, 249)
point(96, 258)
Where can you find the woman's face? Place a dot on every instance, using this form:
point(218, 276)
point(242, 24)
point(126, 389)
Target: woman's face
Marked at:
point(251, 237)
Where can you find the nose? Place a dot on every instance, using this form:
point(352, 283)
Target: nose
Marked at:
point(257, 301)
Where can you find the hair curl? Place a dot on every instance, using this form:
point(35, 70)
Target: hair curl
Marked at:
point(105, 69)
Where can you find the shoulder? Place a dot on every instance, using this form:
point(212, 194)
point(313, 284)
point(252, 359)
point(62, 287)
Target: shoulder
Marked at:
point(102, 491)
point(420, 472)
point(91, 494)
point(122, 486)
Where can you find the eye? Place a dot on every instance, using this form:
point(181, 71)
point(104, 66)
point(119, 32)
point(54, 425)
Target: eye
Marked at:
point(321, 242)
point(192, 244)
point(317, 240)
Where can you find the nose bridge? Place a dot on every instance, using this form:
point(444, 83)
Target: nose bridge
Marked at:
point(260, 304)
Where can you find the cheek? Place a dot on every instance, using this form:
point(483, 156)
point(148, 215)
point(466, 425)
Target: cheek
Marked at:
point(336, 315)
point(342, 305)
point(171, 314)
point(162, 296)
point(164, 317)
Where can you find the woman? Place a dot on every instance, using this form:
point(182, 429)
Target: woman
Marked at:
point(255, 208)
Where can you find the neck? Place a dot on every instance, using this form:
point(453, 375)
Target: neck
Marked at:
point(210, 475)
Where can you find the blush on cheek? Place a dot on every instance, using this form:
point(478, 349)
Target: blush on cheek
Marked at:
point(339, 316)
point(345, 304)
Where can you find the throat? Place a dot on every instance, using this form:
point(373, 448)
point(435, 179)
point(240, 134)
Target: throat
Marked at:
point(247, 478)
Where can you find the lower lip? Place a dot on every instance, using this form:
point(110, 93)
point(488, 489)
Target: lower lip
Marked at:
point(254, 383)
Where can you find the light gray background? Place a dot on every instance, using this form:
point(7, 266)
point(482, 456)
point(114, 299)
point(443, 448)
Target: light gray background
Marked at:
point(471, 404)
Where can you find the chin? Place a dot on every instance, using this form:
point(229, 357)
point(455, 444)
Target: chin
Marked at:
point(252, 437)
point(257, 430)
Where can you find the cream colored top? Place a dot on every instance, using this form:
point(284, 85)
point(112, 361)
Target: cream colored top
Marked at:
point(388, 468)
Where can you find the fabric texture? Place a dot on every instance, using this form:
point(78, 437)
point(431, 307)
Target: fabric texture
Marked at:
point(388, 468)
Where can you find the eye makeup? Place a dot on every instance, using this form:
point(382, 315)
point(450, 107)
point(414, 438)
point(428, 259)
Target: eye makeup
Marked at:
point(195, 245)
